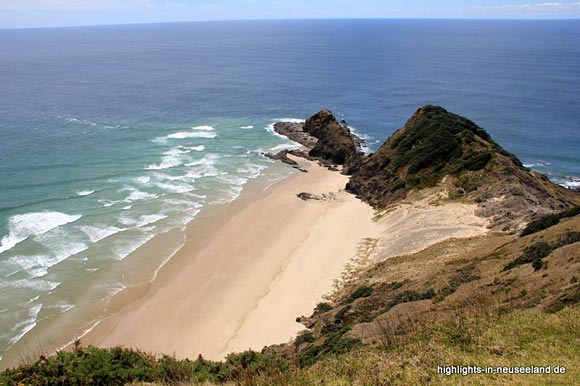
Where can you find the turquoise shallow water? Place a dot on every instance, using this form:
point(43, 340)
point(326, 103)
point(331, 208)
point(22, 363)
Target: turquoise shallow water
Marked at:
point(82, 234)
point(113, 138)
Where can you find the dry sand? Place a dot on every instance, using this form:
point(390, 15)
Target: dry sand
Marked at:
point(266, 261)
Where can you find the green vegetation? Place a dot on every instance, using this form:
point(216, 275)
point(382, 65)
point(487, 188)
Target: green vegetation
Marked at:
point(549, 221)
point(361, 292)
point(464, 275)
point(475, 160)
point(567, 299)
point(321, 308)
point(410, 296)
point(532, 254)
point(537, 251)
point(408, 358)
point(120, 366)
point(441, 141)
point(333, 343)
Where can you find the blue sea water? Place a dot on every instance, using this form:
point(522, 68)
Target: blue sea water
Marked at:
point(113, 138)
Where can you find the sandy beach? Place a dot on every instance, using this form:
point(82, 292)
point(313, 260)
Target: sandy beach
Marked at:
point(240, 282)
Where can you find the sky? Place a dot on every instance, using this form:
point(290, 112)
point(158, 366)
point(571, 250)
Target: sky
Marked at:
point(51, 13)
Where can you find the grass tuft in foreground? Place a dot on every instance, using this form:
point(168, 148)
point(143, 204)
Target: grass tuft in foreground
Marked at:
point(481, 338)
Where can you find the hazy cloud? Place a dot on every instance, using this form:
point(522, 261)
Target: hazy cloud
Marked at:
point(79, 5)
point(532, 7)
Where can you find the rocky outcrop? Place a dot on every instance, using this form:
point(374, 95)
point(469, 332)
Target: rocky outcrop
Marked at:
point(327, 140)
point(295, 132)
point(282, 156)
point(335, 141)
point(436, 145)
point(433, 148)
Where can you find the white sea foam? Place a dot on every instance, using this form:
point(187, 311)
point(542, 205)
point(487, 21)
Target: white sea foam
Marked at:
point(253, 170)
point(137, 195)
point(97, 233)
point(230, 194)
point(247, 127)
point(166, 177)
point(203, 128)
point(191, 134)
point(234, 180)
point(22, 226)
point(107, 203)
point(365, 138)
point(124, 248)
point(537, 164)
point(189, 215)
point(175, 187)
point(270, 128)
point(208, 159)
point(141, 221)
point(197, 148)
point(61, 248)
point(143, 179)
point(203, 171)
point(83, 121)
point(285, 146)
point(63, 307)
point(171, 159)
point(35, 284)
point(38, 272)
point(570, 182)
point(23, 327)
point(85, 192)
point(290, 120)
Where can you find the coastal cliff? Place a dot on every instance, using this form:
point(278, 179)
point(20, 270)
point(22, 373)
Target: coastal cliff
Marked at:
point(435, 148)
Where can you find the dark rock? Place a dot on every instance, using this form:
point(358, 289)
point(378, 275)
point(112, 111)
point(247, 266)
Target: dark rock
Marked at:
point(328, 141)
point(295, 132)
point(335, 141)
point(300, 169)
point(308, 196)
point(282, 156)
point(301, 154)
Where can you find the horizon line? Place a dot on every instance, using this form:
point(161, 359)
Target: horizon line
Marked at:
point(285, 19)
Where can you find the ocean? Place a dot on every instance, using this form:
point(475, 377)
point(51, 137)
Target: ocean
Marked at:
point(113, 138)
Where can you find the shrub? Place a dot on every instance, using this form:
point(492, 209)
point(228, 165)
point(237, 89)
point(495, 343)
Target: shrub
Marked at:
point(549, 221)
point(410, 296)
point(541, 224)
point(536, 251)
point(476, 160)
point(304, 337)
point(321, 308)
point(334, 343)
point(85, 366)
point(361, 292)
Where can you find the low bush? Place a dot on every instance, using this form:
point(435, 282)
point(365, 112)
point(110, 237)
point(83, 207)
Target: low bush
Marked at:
point(549, 221)
point(361, 292)
point(410, 296)
point(535, 252)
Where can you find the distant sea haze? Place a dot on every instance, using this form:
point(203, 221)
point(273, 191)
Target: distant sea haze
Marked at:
point(112, 139)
